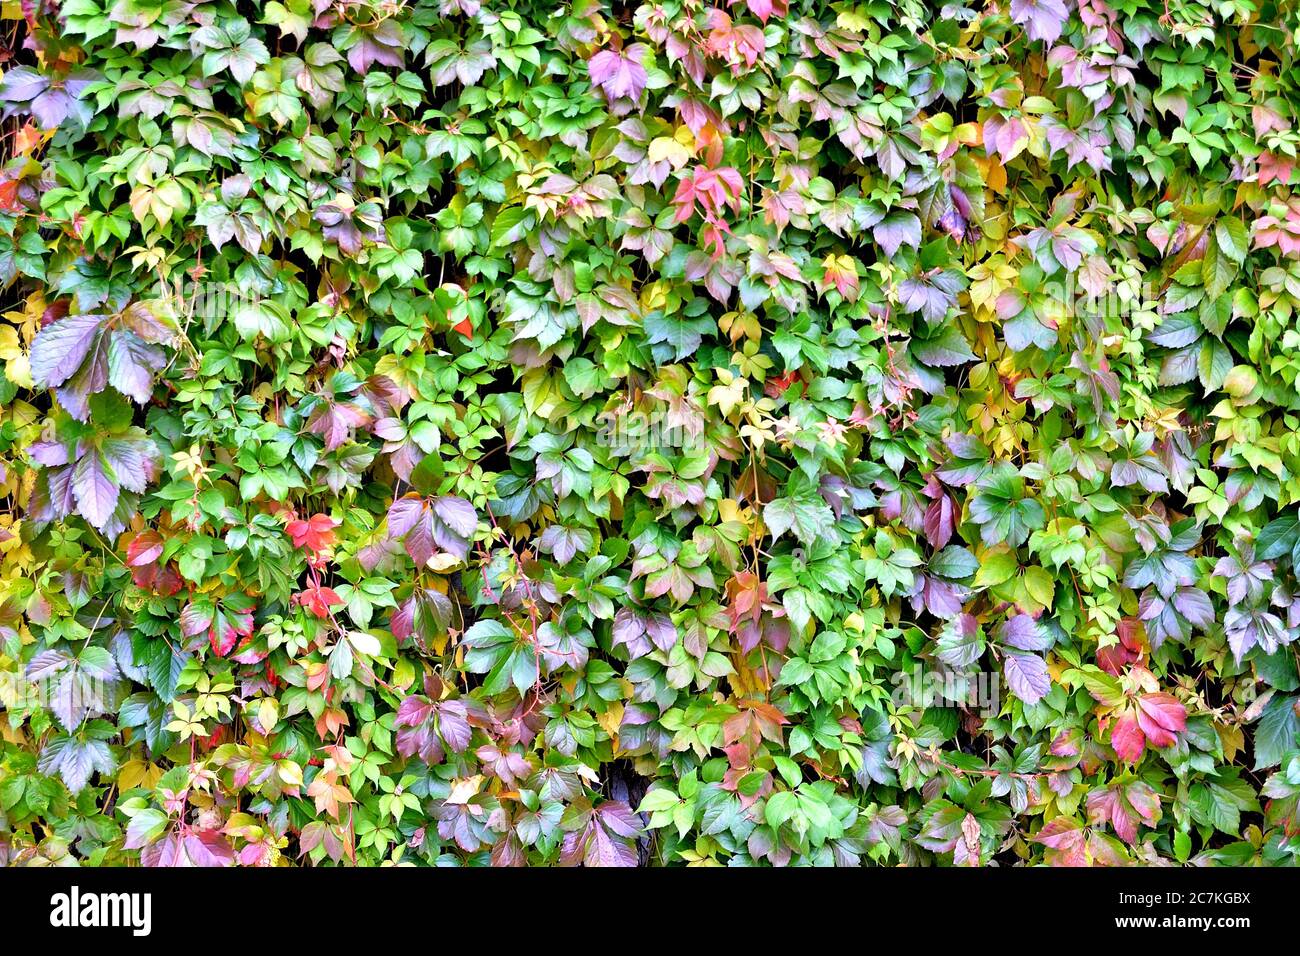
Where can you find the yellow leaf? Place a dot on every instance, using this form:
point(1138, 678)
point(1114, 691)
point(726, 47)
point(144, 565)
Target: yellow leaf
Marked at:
point(18, 371)
point(612, 719)
point(137, 773)
point(403, 674)
point(463, 788)
point(676, 149)
point(654, 296)
point(1040, 586)
point(727, 397)
point(10, 347)
point(444, 561)
point(289, 773)
point(268, 713)
point(988, 281)
point(968, 134)
point(1233, 740)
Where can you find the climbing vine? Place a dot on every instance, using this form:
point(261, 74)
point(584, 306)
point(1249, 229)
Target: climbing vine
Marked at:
point(705, 432)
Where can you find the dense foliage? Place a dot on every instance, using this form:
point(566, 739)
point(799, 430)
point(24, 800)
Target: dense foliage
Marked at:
point(746, 432)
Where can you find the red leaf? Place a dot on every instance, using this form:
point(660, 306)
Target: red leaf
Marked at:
point(1114, 659)
point(318, 600)
point(227, 629)
point(9, 196)
point(775, 387)
point(142, 555)
point(841, 273)
point(764, 8)
point(225, 623)
point(316, 533)
point(145, 549)
point(196, 618)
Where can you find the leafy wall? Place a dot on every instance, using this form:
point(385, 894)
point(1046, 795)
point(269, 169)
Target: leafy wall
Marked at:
point(763, 432)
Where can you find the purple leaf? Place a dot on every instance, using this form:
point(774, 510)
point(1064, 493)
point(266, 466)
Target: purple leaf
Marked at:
point(662, 631)
point(1023, 632)
point(1085, 147)
point(53, 498)
point(1247, 629)
point(1027, 676)
point(1042, 19)
point(208, 848)
point(335, 421)
point(48, 663)
point(381, 44)
point(22, 84)
point(453, 724)
point(50, 101)
point(134, 459)
point(95, 489)
point(943, 599)
point(60, 348)
point(457, 514)
point(931, 294)
point(49, 453)
point(74, 760)
point(607, 840)
point(1006, 136)
point(403, 515)
point(560, 542)
point(51, 108)
point(90, 379)
point(1194, 604)
point(630, 632)
point(419, 541)
point(131, 364)
point(896, 229)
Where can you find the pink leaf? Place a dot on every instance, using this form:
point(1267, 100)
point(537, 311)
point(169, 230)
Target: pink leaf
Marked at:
point(1128, 739)
point(1160, 716)
point(619, 74)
